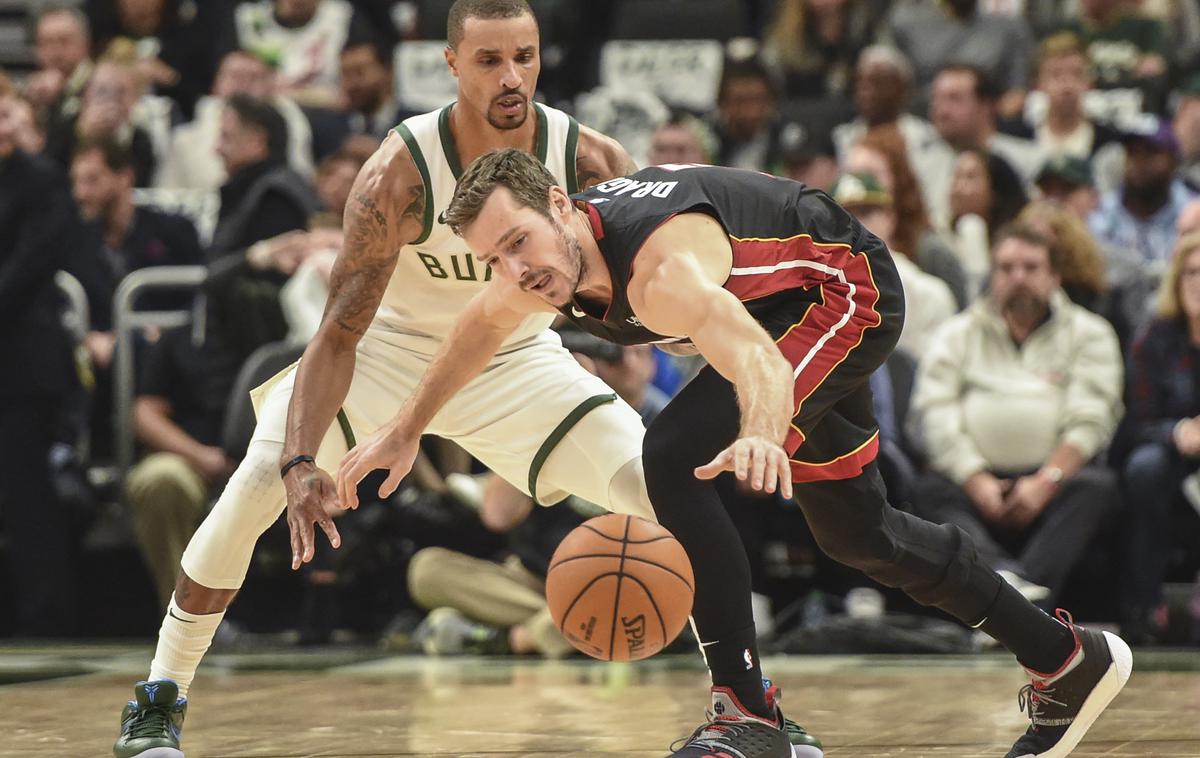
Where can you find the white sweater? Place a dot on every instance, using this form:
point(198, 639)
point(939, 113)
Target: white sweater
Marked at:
point(983, 403)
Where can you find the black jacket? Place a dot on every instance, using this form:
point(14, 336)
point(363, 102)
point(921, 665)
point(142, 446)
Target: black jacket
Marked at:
point(36, 220)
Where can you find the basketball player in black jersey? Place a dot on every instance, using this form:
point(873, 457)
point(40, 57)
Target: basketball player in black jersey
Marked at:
point(794, 304)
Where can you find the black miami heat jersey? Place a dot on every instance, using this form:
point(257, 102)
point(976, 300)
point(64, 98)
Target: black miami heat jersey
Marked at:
point(792, 245)
point(822, 286)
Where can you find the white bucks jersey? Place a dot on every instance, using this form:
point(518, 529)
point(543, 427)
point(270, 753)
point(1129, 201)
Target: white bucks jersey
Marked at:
point(436, 275)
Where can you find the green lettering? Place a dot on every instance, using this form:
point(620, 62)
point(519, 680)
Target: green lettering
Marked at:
point(433, 266)
point(470, 275)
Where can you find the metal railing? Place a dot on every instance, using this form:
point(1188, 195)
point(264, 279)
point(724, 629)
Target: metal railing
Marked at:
point(126, 322)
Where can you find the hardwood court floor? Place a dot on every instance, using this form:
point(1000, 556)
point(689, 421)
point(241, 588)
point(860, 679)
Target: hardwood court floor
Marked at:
point(362, 705)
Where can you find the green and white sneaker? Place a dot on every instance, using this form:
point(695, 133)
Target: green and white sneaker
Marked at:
point(446, 631)
point(152, 723)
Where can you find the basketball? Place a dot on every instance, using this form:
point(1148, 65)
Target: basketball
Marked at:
point(620, 587)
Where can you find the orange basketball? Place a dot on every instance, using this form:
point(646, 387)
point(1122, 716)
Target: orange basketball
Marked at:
point(620, 587)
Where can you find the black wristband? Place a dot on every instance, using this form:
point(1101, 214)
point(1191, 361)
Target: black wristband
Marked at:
point(293, 463)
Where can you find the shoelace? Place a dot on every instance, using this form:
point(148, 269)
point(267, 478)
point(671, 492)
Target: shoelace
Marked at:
point(1031, 697)
point(150, 722)
point(722, 728)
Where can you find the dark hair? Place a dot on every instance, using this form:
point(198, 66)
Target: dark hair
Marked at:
point(1031, 234)
point(522, 174)
point(1008, 191)
point(745, 68)
point(462, 10)
point(382, 53)
point(259, 114)
point(986, 88)
point(116, 156)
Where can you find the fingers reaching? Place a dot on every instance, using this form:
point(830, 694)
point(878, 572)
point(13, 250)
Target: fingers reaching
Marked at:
point(710, 470)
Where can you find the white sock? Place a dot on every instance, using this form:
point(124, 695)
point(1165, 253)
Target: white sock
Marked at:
point(182, 642)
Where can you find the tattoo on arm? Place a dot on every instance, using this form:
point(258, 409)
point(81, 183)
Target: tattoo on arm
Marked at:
point(585, 173)
point(361, 272)
point(598, 165)
point(416, 206)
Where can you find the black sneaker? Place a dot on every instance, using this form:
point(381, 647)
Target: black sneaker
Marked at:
point(152, 724)
point(1062, 706)
point(733, 731)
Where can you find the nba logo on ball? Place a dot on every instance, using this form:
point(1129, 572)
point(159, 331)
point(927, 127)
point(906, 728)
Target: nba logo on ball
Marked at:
point(620, 588)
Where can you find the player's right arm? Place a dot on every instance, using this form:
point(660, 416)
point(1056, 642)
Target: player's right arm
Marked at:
point(385, 211)
point(477, 334)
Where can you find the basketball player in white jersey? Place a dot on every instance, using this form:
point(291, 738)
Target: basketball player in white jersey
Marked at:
point(535, 417)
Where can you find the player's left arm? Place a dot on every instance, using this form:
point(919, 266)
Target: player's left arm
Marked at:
point(676, 290)
point(599, 158)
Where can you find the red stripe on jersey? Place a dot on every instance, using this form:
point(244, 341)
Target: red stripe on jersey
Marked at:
point(764, 266)
point(833, 327)
point(847, 466)
point(594, 219)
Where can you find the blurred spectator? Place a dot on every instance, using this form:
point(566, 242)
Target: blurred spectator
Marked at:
point(1189, 218)
point(985, 194)
point(928, 302)
point(883, 82)
point(133, 236)
point(493, 607)
point(1016, 396)
point(192, 161)
point(747, 123)
point(62, 47)
point(35, 216)
point(177, 414)
point(881, 152)
point(367, 89)
point(963, 111)
point(1080, 261)
point(305, 37)
point(1163, 428)
point(682, 138)
point(1067, 181)
point(808, 155)
point(815, 43)
point(29, 136)
point(1140, 215)
point(1127, 49)
point(107, 112)
point(174, 55)
point(1186, 124)
point(1064, 77)
point(934, 33)
point(262, 198)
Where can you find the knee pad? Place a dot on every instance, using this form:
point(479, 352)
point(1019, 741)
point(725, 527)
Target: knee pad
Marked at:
point(220, 550)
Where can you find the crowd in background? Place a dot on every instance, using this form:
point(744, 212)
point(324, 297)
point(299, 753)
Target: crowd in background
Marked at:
point(1033, 166)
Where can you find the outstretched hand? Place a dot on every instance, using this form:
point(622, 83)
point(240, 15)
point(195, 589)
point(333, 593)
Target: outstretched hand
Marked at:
point(310, 500)
point(757, 460)
point(386, 449)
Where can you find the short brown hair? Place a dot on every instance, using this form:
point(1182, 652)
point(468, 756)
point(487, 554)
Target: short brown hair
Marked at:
point(516, 170)
point(1059, 45)
point(115, 155)
point(456, 20)
point(1030, 234)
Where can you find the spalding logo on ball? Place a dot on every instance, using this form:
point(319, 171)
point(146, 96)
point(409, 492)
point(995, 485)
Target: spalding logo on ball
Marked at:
point(620, 588)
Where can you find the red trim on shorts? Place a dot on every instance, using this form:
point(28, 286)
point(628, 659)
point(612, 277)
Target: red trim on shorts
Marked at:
point(846, 467)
